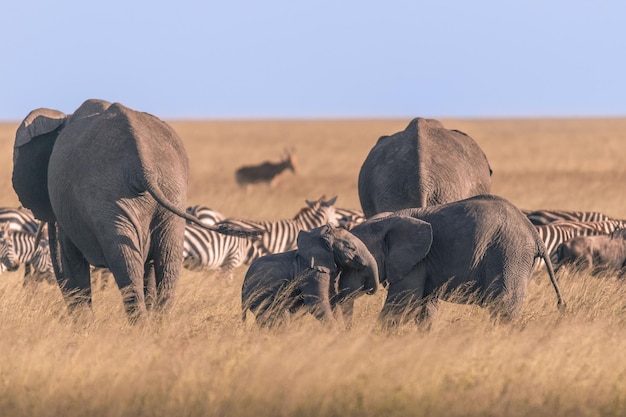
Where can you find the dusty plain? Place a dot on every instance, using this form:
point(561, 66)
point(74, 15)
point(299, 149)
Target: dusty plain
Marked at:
point(201, 360)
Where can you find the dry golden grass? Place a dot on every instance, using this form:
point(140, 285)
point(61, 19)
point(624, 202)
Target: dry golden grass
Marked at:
point(202, 361)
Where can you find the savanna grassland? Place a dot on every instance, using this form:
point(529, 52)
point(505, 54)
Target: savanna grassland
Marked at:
point(201, 360)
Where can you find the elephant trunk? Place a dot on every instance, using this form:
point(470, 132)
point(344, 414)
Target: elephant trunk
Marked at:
point(315, 289)
point(371, 283)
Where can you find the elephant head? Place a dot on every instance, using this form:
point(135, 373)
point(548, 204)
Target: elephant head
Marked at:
point(324, 252)
point(398, 244)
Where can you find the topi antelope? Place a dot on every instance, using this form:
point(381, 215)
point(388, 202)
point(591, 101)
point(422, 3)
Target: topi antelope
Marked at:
point(266, 172)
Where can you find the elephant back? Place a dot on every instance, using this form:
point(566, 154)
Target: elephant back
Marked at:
point(34, 141)
point(89, 108)
point(425, 164)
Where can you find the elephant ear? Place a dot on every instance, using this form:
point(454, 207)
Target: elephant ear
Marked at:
point(408, 241)
point(38, 122)
point(34, 141)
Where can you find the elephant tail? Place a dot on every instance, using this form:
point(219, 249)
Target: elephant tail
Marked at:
point(224, 228)
point(542, 254)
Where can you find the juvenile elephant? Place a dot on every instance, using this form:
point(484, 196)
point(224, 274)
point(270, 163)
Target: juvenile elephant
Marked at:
point(425, 164)
point(479, 250)
point(281, 284)
point(598, 253)
point(111, 183)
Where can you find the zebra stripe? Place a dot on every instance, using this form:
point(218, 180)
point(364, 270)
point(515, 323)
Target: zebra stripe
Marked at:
point(19, 248)
point(541, 217)
point(281, 235)
point(19, 219)
point(348, 218)
point(205, 250)
point(205, 214)
point(555, 233)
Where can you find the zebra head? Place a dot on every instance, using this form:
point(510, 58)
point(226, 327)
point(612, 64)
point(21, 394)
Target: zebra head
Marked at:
point(319, 212)
point(8, 256)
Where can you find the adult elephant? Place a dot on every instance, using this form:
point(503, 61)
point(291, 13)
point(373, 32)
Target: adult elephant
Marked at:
point(425, 164)
point(111, 183)
point(305, 279)
point(478, 250)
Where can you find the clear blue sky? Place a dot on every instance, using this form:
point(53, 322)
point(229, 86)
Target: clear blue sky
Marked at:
point(316, 59)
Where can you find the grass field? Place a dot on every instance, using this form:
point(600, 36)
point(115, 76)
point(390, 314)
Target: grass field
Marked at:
point(201, 360)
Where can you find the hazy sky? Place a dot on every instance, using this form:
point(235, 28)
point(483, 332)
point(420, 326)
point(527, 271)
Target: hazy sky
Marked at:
point(311, 59)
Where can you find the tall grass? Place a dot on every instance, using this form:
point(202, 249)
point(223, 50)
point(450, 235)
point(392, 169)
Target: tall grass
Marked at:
point(202, 360)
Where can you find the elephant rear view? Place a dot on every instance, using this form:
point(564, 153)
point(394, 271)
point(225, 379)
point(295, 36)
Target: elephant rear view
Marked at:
point(425, 164)
point(111, 182)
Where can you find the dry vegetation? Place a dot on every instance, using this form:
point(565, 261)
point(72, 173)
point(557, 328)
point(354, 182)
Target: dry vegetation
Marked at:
point(202, 361)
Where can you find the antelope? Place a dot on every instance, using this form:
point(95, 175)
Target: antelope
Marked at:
point(267, 172)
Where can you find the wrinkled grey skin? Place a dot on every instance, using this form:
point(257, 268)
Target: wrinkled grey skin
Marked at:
point(481, 249)
point(281, 284)
point(601, 253)
point(425, 164)
point(111, 182)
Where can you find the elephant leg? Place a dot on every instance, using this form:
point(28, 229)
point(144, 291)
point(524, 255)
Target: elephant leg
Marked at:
point(75, 283)
point(343, 307)
point(149, 283)
point(405, 299)
point(426, 311)
point(342, 313)
point(127, 267)
point(345, 311)
point(168, 261)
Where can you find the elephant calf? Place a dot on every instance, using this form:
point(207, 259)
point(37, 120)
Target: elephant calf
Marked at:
point(598, 253)
point(281, 284)
point(478, 250)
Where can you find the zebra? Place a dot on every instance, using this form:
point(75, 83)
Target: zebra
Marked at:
point(540, 217)
point(19, 219)
point(22, 220)
point(281, 235)
point(348, 218)
point(205, 214)
point(17, 247)
point(555, 233)
point(268, 172)
point(206, 250)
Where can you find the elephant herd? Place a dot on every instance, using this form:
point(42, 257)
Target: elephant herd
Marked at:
point(110, 183)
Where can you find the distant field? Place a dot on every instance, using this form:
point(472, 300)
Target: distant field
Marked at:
point(202, 361)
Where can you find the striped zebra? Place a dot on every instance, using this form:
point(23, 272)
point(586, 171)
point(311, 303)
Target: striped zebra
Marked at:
point(541, 217)
point(19, 219)
point(281, 235)
point(18, 247)
point(205, 214)
point(348, 218)
point(555, 233)
point(206, 250)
